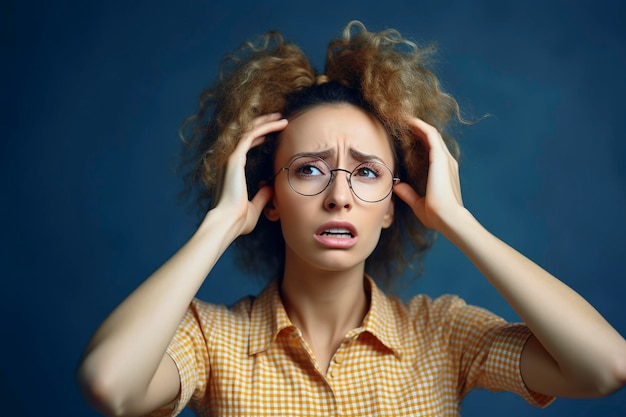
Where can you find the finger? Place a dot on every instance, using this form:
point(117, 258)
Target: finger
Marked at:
point(265, 118)
point(258, 203)
point(262, 197)
point(256, 136)
point(260, 121)
point(407, 194)
point(429, 135)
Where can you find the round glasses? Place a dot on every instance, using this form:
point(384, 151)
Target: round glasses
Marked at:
point(370, 181)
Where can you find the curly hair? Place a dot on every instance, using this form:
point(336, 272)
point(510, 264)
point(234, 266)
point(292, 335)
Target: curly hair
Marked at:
point(381, 72)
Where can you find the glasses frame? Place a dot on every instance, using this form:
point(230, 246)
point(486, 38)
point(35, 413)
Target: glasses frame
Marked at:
point(394, 179)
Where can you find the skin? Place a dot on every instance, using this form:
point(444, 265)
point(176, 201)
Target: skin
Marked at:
point(322, 288)
point(574, 352)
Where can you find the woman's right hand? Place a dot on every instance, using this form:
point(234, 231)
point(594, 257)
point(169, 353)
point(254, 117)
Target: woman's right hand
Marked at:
point(125, 370)
point(234, 198)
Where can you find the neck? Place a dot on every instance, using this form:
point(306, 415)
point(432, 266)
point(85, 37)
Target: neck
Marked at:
point(325, 305)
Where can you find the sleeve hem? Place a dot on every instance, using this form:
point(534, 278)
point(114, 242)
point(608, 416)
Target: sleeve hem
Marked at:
point(506, 355)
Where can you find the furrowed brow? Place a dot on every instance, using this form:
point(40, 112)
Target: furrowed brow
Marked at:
point(362, 157)
point(321, 154)
point(325, 154)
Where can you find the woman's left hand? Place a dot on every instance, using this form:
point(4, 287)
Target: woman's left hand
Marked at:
point(573, 352)
point(442, 198)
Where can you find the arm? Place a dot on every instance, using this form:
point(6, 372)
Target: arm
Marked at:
point(125, 370)
point(573, 352)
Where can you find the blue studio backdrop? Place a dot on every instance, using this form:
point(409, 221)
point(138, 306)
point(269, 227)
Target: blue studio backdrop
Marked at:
point(93, 93)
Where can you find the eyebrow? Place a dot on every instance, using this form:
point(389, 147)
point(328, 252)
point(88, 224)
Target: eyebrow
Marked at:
point(362, 157)
point(320, 154)
point(359, 156)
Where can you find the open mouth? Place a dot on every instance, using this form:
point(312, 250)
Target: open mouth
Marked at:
point(339, 233)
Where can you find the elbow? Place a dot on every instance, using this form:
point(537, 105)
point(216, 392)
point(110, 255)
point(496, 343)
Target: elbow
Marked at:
point(620, 373)
point(614, 379)
point(100, 391)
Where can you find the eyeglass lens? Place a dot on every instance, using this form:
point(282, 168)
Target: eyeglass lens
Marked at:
point(370, 181)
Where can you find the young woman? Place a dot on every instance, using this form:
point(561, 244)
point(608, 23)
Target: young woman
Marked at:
point(332, 183)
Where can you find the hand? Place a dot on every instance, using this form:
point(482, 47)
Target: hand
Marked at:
point(443, 188)
point(234, 198)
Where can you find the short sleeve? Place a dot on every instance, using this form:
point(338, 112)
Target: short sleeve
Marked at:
point(188, 350)
point(502, 369)
point(489, 351)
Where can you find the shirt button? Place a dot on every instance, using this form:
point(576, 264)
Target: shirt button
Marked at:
point(337, 359)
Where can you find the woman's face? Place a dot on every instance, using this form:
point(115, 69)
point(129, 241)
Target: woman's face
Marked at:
point(333, 230)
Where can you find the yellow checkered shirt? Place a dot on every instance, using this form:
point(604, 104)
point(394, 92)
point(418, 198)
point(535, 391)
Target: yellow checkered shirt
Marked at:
point(407, 359)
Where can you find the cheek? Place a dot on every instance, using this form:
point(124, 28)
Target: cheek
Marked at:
point(290, 205)
point(377, 221)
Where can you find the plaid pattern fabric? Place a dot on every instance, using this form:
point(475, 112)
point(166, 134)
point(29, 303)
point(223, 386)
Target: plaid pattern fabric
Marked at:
point(407, 359)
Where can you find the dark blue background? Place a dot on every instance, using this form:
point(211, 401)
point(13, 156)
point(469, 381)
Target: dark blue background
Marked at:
point(93, 93)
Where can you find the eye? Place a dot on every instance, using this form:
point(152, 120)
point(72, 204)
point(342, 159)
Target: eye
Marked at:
point(367, 171)
point(307, 167)
point(308, 170)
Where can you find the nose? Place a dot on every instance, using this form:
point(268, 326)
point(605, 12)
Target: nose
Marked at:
point(339, 193)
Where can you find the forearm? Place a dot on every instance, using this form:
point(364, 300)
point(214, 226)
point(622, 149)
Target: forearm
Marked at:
point(587, 356)
point(128, 347)
point(584, 345)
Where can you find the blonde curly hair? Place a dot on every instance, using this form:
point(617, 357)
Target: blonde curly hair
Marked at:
point(381, 72)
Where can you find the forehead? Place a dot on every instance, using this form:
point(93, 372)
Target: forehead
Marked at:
point(340, 129)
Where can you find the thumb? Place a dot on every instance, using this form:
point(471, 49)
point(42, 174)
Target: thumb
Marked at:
point(262, 197)
point(255, 208)
point(407, 194)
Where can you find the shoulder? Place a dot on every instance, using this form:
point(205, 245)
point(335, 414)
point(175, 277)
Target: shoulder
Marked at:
point(432, 311)
point(204, 315)
point(446, 317)
point(447, 308)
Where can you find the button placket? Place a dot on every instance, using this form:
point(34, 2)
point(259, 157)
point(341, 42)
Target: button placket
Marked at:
point(338, 358)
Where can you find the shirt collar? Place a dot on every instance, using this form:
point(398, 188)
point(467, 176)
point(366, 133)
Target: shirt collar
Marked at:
point(269, 318)
point(381, 320)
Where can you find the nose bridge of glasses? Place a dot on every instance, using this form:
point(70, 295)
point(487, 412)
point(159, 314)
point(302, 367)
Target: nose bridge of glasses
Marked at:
point(333, 175)
point(332, 171)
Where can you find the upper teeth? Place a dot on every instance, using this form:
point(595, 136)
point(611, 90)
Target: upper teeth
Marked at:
point(337, 231)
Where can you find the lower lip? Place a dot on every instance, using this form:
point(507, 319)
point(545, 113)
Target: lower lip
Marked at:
point(336, 242)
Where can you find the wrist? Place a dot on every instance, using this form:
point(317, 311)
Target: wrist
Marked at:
point(457, 223)
point(218, 225)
